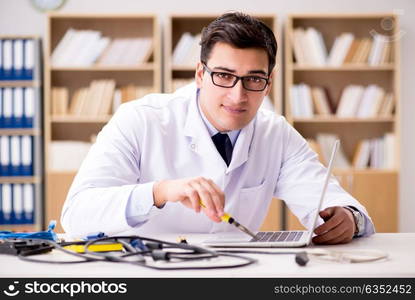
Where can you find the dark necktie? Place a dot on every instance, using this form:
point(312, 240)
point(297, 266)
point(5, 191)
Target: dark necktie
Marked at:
point(224, 146)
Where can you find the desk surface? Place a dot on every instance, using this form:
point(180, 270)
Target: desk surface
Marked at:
point(399, 246)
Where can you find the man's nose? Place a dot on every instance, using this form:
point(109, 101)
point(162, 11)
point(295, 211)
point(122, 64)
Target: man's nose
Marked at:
point(237, 93)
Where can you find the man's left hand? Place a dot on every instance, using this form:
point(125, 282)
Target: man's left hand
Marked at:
point(338, 228)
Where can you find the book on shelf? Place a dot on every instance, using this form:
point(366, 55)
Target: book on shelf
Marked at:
point(67, 155)
point(364, 102)
point(349, 101)
point(356, 101)
point(309, 48)
point(326, 142)
point(301, 101)
point(187, 50)
point(375, 153)
point(321, 101)
point(100, 99)
point(84, 48)
point(127, 51)
point(339, 50)
point(380, 51)
point(59, 101)
point(362, 51)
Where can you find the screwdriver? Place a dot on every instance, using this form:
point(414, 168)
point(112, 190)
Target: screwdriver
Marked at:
point(227, 218)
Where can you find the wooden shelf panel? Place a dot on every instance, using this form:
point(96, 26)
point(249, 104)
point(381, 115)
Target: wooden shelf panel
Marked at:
point(141, 67)
point(343, 120)
point(20, 179)
point(368, 171)
point(78, 119)
point(184, 68)
point(20, 131)
point(20, 227)
point(19, 83)
point(388, 67)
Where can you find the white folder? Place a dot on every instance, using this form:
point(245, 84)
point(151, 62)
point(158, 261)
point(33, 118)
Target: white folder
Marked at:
point(15, 155)
point(7, 203)
point(29, 58)
point(29, 106)
point(7, 107)
point(17, 204)
point(28, 203)
point(18, 107)
point(27, 161)
point(18, 58)
point(5, 155)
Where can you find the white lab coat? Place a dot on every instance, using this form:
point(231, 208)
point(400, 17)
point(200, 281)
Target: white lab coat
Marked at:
point(162, 136)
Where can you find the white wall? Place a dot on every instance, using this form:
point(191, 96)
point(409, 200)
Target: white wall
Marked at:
point(19, 17)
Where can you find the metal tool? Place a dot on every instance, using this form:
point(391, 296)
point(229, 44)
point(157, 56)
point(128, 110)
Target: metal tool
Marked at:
point(229, 219)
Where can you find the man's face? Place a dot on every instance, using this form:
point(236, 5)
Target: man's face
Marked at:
point(231, 108)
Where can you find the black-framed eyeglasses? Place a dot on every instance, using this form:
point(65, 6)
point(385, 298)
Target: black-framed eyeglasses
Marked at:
point(228, 80)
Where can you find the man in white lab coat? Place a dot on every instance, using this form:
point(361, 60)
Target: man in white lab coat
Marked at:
point(161, 156)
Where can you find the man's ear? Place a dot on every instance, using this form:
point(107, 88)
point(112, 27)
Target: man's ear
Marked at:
point(199, 74)
point(269, 86)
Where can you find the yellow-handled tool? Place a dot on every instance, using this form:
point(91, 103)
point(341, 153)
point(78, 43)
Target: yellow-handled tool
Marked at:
point(229, 219)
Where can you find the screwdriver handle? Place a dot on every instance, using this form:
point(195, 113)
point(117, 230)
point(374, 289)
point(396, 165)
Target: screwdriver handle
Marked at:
point(225, 218)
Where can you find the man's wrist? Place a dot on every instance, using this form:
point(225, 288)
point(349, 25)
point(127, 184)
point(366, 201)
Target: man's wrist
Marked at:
point(358, 220)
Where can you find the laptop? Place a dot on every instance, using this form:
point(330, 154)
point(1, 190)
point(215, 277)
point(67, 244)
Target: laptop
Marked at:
point(275, 239)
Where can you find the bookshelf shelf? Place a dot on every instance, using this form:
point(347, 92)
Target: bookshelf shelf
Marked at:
point(343, 120)
point(346, 67)
point(71, 119)
point(20, 83)
point(125, 73)
point(357, 68)
point(26, 131)
point(18, 228)
point(184, 68)
point(367, 171)
point(143, 67)
point(20, 179)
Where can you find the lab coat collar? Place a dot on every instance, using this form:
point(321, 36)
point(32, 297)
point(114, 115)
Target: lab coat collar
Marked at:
point(201, 142)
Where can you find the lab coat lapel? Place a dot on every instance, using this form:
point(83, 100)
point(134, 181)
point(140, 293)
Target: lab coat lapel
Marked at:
point(242, 146)
point(199, 138)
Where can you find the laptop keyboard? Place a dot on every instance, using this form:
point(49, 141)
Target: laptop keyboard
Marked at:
point(277, 236)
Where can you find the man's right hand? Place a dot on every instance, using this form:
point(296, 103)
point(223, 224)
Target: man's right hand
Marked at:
point(191, 192)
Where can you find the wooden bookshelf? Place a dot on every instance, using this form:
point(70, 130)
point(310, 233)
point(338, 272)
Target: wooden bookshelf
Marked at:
point(377, 189)
point(180, 23)
point(36, 179)
point(81, 128)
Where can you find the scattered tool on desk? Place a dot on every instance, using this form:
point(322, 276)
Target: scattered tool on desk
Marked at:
point(49, 234)
point(227, 218)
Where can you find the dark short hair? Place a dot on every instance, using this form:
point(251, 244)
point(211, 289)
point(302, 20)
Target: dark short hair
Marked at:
point(241, 31)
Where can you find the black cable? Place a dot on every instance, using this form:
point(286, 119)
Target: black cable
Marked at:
point(85, 258)
point(198, 253)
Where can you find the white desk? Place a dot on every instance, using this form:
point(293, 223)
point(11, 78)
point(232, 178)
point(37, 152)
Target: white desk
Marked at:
point(400, 247)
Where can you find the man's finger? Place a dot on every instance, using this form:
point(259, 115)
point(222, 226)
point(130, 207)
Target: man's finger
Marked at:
point(215, 196)
point(334, 233)
point(329, 224)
